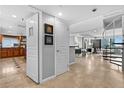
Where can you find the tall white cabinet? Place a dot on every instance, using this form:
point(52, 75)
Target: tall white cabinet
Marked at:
point(46, 61)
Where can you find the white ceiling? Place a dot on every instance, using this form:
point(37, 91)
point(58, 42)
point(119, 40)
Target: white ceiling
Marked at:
point(10, 24)
point(71, 14)
point(76, 13)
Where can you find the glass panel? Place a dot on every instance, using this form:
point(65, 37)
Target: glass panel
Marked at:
point(112, 42)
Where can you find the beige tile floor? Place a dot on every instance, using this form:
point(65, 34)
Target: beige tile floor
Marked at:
point(90, 71)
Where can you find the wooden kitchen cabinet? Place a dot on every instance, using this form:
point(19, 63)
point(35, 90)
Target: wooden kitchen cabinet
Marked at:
point(12, 52)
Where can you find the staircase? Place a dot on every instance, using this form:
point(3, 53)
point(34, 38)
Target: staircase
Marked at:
point(115, 55)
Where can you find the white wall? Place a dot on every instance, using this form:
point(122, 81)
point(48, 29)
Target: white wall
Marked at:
point(87, 25)
point(41, 58)
point(48, 51)
point(32, 51)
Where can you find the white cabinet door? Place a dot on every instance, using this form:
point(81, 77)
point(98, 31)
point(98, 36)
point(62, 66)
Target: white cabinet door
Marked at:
point(62, 47)
point(32, 47)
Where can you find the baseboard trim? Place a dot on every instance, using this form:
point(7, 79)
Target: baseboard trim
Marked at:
point(72, 63)
point(49, 78)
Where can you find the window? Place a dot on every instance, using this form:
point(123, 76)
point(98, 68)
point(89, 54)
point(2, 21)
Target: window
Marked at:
point(118, 39)
point(9, 42)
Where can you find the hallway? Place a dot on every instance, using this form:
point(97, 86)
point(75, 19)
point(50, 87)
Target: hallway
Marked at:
point(90, 71)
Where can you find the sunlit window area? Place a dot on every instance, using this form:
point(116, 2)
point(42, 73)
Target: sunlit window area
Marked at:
point(10, 42)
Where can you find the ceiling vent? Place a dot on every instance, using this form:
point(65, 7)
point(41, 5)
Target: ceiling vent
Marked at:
point(94, 10)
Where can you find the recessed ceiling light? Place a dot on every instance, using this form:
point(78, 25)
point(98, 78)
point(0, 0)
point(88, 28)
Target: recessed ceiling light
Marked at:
point(94, 30)
point(14, 16)
point(60, 14)
point(10, 26)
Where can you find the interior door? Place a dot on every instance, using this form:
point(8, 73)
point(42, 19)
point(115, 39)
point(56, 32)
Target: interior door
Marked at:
point(62, 47)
